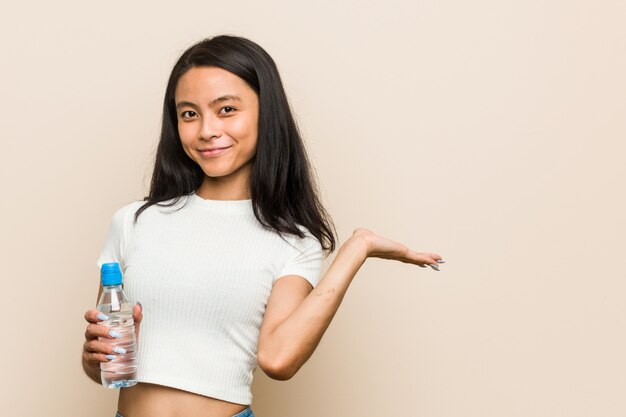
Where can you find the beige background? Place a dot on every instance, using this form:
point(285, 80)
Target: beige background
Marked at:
point(490, 132)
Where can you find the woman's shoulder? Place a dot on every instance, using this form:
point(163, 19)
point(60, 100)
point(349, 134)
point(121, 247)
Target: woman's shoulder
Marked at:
point(161, 206)
point(308, 242)
point(124, 209)
point(123, 214)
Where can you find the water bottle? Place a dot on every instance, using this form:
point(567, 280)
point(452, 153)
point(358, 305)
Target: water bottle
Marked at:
point(121, 371)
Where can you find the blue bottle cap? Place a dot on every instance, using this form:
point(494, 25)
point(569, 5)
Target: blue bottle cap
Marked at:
point(110, 274)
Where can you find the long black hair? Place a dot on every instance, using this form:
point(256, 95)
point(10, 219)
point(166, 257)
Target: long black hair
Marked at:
point(283, 191)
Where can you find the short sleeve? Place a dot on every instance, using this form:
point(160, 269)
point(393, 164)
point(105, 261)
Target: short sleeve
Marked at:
point(306, 261)
point(116, 239)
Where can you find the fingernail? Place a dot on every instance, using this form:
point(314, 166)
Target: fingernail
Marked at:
point(119, 350)
point(110, 357)
point(435, 267)
point(422, 266)
point(115, 333)
point(140, 305)
point(102, 316)
point(441, 261)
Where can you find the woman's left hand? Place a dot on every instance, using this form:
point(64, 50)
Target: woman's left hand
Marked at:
point(381, 247)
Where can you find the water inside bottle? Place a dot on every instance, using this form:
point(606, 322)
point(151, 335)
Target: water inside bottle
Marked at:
point(121, 371)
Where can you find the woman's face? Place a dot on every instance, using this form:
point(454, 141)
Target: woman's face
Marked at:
point(218, 116)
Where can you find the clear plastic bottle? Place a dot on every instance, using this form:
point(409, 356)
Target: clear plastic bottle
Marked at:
point(121, 371)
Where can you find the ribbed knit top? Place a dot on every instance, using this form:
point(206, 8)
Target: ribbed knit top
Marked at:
point(203, 271)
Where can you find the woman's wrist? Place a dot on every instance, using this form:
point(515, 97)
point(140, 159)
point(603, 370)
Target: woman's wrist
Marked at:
point(357, 244)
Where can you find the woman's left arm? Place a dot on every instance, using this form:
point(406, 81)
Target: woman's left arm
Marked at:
point(296, 317)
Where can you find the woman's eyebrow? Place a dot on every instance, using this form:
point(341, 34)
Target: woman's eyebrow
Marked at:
point(224, 98)
point(212, 103)
point(185, 104)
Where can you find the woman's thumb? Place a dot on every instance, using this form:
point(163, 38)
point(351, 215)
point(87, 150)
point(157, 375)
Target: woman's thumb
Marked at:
point(137, 312)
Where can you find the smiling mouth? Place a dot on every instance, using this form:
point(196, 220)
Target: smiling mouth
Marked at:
point(214, 151)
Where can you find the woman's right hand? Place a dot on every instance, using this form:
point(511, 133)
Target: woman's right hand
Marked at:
point(95, 351)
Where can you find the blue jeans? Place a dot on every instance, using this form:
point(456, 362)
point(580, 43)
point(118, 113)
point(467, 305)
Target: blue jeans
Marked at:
point(245, 413)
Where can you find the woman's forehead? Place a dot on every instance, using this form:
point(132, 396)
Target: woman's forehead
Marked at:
point(211, 83)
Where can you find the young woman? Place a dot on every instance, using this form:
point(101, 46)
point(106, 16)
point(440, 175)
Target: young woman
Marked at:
point(225, 252)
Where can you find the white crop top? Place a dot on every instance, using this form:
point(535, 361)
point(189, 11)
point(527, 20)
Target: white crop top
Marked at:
point(203, 275)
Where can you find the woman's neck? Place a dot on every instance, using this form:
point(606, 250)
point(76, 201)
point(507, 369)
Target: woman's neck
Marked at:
point(217, 188)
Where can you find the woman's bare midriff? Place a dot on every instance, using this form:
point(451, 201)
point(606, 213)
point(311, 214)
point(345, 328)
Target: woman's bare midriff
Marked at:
point(151, 400)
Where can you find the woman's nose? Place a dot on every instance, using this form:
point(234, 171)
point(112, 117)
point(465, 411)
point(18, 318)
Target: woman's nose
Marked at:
point(210, 128)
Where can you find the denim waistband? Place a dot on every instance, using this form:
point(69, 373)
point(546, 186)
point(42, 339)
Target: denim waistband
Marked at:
point(245, 413)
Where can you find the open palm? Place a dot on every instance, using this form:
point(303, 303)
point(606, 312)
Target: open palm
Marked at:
point(381, 247)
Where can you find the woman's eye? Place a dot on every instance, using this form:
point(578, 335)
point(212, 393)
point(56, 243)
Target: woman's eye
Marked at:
point(228, 107)
point(188, 113)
